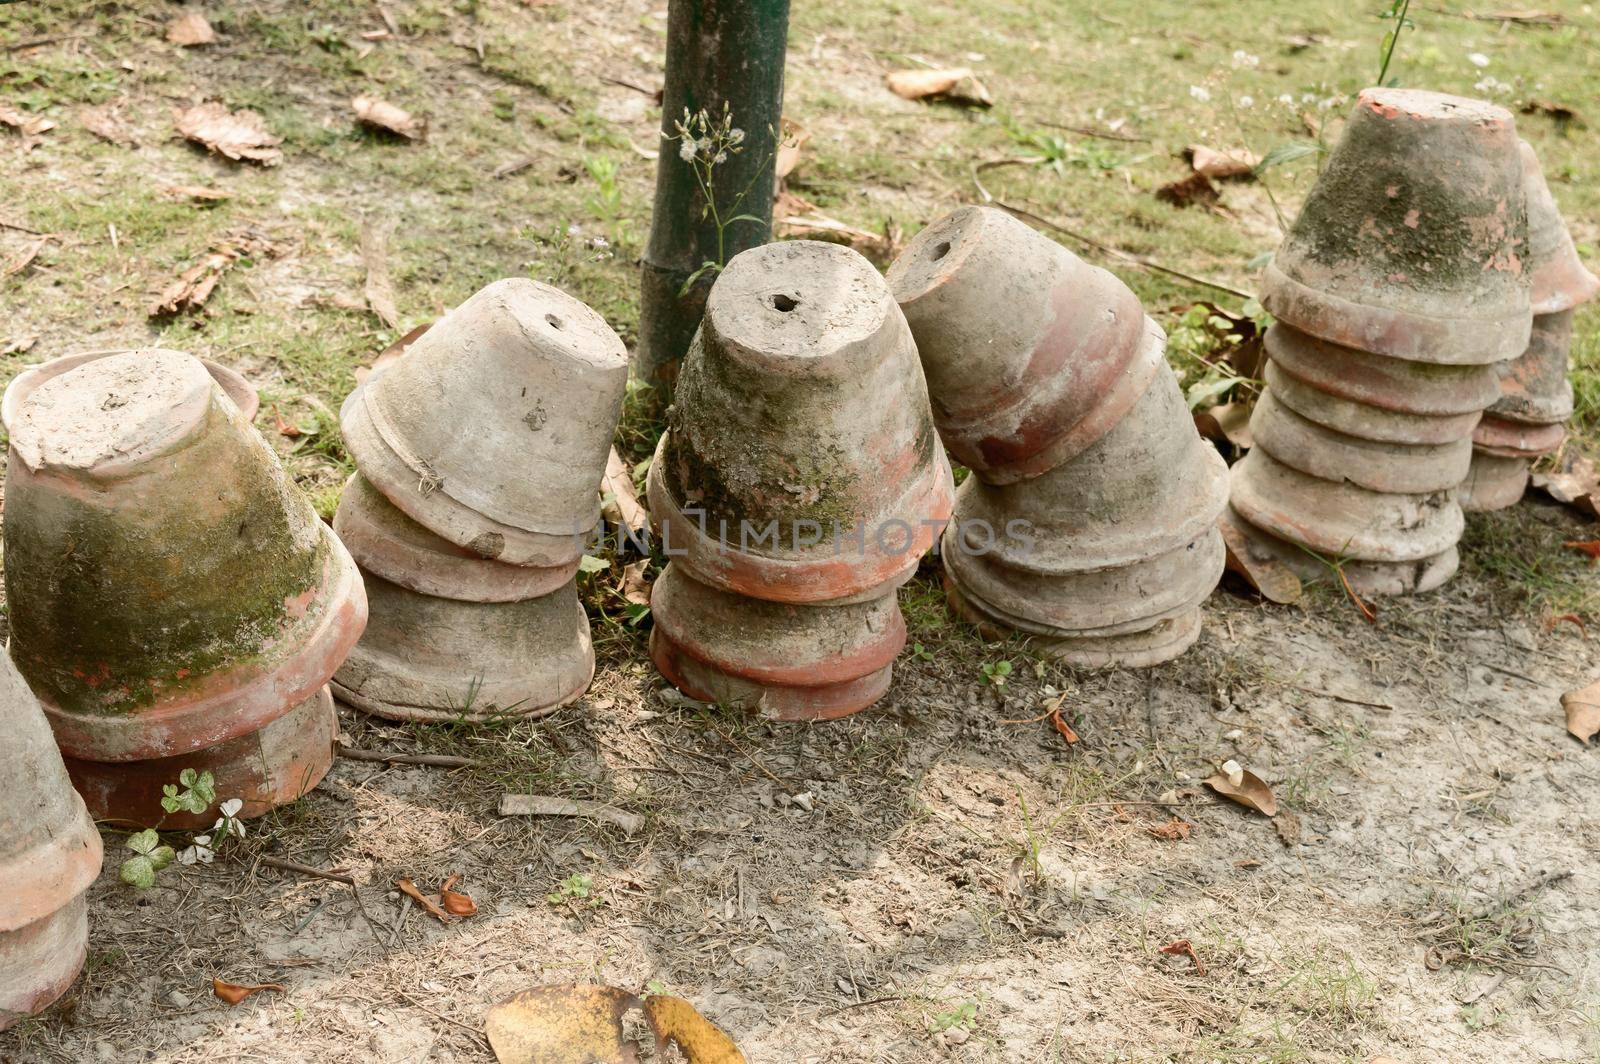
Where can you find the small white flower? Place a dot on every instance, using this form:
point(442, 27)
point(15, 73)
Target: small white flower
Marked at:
point(1242, 58)
point(736, 136)
point(1200, 92)
point(1247, 101)
point(1477, 59)
point(686, 149)
point(1286, 99)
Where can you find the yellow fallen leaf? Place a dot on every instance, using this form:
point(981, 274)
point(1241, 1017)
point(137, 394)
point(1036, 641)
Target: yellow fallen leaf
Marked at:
point(1583, 712)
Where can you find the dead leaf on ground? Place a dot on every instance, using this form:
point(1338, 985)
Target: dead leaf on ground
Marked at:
point(1174, 830)
point(1560, 113)
point(379, 290)
point(1227, 423)
point(190, 29)
point(619, 499)
point(956, 84)
point(198, 193)
point(541, 805)
point(238, 135)
point(634, 587)
point(456, 903)
point(431, 907)
point(1570, 618)
point(794, 139)
point(195, 285)
point(1591, 547)
point(1192, 190)
point(1583, 712)
point(1287, 825)
point(881, 248)
point(1184, 948)
point(26, 124)
point(390, 353)
point(381, 114)
point(233, 993)
point(1062, 727)
point(580, 1024)
point(20, 346)
point(1257, 566)
point(1574, 482)
point(24, 258)
point(1240, 785)
point(1230, 164)
point(108, 126)
point(786, 205)
point(1368, 610)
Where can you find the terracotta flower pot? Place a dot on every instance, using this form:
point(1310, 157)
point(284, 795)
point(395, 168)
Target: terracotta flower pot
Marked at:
point(1515, 439)
point(232, 383)
point(493, 430)
point(1534, 388)
point(49, 855)
point(387, 543)
point(1366, 578)
point(1407, 468)
point(800, 462)
point(783, 661)
point(1368, 422)
point(1031, 354)
point(1494, 482)
point(1341, 520)
point(1389, 384)
point(1560, 281)
point(1414, 241)
point(169, 587)
point(430, 658)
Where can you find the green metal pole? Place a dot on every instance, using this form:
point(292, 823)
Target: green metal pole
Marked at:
point(719, 53)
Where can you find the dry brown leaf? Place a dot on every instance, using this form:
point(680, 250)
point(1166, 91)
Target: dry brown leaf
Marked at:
point(239, 135)
point(1245, 787)
point(1174, 830)
point(620, 500)
point(1194, 189)
point(956, 84)
point(1591, 547)
point(233, 993)
point(1062, 726)
point(195, 285)
point(381, 114)
point(788, 157)
point(786, 205)
point(108, 126)
point(26, 124)
point(20, 346)
point(379, 290)
point(198, 193)
point(1184, 948)
point(1226, 423)
point(190, 29)
point(1560, 113)
point(1368, 610)
point(24, 258)
point(879, 247)
point(1583, 712)
point(541, 805)
point(1275, 580)
point(431, 907)
point(1574, 482)
point(583, 1024)
point(635, 588)
point(1228, 165)
point(456, 903)
point(1287, 825)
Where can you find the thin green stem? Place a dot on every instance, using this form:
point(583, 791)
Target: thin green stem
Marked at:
point(1394, 39)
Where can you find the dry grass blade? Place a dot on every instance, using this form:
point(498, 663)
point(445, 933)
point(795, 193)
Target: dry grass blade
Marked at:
point(379, 289)
point(24, 258)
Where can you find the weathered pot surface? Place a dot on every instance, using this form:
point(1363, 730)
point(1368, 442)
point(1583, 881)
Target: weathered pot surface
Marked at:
point(1560, 280)
point(800, 462)
point(1413, 243)
point(231, 381)
point(1366, 578)
point(1515, 439)
point(1355, 418)
point(1534, 387)
point(1495, 482)
point(1389, 384)
point(493, 429)
point(169, 586)
point(429, 658)
point(1031, 354)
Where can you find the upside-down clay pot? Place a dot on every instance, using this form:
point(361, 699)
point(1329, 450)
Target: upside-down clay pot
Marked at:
point(1413, 243)
point(429, 658)
point(1355, 418)
point(1031, 354)
point(1377, 466)
point(800, 462)
point(49, 855)
point(169, 588)
point(1373, 578)
point(783, 661)
point(233, 384)
point(492, 431)
point(1534, 388)
point(1494, 482)
point(1559, 279)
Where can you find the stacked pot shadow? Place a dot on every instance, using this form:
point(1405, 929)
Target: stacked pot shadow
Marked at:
point(174, 601)
point(797, 486)
point(1528, 420)
point(480, 453)
point(1398, 291)
point(1090, 519)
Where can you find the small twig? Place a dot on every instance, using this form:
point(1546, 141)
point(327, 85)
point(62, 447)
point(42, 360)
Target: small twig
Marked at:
point(307, 870)
point(752, 758)
point(19, 228)
point(1137, 260)
point(1103, 134)
point(1340, 698)
point(34, 42)
point(387, 758)
point(652, 93)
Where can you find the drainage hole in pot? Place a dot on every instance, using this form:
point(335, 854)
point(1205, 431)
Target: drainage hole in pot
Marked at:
point(553, 320)
point(940, 250)
point(784, 303)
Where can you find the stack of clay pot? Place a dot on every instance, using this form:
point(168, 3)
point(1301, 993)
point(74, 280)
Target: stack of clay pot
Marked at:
point(174, 601)
point(1529, 419)
point(796, 488)
point(49, 854)
point(1089, 522)
point(480, 453)
point(1400, 287)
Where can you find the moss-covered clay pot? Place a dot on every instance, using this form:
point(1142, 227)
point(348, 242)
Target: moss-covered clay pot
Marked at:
point(1367, 578)
point(1534, 388)
point(49, 855)
point(1031, 354)
point(1408, 468)
point(264, 769)
point(492, 430)
point(1560, 281)
point(800, 462)
point(232, 383)
point(1338, 521)
point(1368, 422)
point(387, 543)
point(1414, 241)
point(430, 658)
point(169, 587)
point(783, 661)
